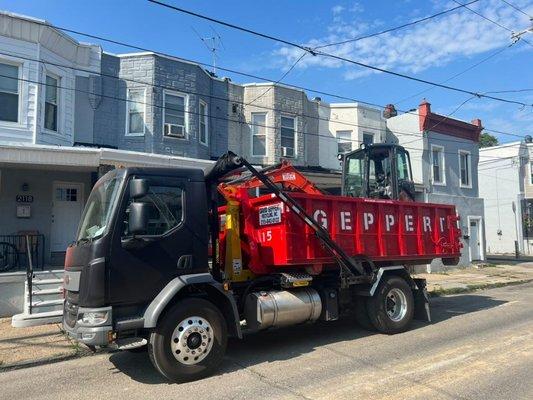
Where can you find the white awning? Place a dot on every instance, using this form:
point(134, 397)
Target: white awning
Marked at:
point(86, 158)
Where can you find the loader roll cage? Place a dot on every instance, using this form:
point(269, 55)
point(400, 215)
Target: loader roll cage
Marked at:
point(290, 178)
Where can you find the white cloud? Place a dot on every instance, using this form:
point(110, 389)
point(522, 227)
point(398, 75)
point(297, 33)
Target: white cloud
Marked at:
point(413, 50)
point(337, 9)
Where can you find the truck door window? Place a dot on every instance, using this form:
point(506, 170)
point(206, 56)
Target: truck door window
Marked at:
point(353, 179)
point(166, 209)
point(403, 166)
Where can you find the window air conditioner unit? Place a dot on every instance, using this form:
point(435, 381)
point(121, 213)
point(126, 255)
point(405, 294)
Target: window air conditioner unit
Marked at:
point(287, 152)
point(174, 130)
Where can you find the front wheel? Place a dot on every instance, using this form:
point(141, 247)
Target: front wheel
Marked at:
point(392, 306)
point(189, 342)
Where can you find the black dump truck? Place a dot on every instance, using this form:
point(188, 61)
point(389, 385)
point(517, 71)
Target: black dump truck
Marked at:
point(148, 270)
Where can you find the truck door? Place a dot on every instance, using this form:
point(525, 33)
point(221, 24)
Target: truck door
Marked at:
point(175, 242)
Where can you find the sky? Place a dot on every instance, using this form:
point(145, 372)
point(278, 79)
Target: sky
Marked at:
point(458, 43)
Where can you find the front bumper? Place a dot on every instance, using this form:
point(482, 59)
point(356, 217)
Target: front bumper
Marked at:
point(89, 335)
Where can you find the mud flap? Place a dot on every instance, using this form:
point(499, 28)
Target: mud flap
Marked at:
point(421, 301)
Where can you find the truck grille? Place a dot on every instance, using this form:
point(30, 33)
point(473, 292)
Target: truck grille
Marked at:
point(70, 313)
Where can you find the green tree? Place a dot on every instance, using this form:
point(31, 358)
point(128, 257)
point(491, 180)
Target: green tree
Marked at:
point(487, 140)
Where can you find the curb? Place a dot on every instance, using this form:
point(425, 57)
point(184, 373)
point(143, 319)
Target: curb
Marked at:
point(474, 288)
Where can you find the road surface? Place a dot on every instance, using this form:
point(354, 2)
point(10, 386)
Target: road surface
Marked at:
point(478, 347)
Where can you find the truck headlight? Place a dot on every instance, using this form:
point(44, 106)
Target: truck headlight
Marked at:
point(93, 318)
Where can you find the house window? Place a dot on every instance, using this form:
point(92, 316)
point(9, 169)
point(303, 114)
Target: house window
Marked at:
point(9, 93)
point(50, 103)
point(174, 116)
point(465, 169)
point(258, 129)
point(203, 123)
point(288, 137)
point(368, 138)
point(136, 107)
point(344, 141)
point(437, 162)
point(531, 172)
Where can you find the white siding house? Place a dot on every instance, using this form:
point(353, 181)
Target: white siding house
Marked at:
point(41, 93)
point(506, 184)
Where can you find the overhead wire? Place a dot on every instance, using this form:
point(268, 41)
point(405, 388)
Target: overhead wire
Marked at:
point(312, 90)
point(338, 57)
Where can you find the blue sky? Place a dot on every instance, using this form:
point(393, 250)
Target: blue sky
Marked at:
point(434, 50)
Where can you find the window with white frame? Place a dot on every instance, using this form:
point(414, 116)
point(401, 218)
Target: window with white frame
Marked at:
point(51, 101)
point(465, 169)
point(174, 119)
point(204, 134)
point(136, 107)
point(437, 163)
point(258, 130)
point(9, 93)
point(368, 138)
point(344, 141)
point(288, 136)
point(531, 172)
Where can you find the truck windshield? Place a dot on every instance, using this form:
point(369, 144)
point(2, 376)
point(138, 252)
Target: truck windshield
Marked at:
point(98, 210)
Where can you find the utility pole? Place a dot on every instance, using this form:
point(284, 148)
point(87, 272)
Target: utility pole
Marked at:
point(518, 35)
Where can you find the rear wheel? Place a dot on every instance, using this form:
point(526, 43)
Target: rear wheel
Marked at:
point(392, 306)
point(189, 342)
point(361, 314)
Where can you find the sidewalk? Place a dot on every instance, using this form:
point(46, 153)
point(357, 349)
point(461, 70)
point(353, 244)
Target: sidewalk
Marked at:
point(474, 278)
point(42, 344)
point(29, 346)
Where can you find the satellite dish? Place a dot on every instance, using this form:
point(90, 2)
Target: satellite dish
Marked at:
point(528, 139)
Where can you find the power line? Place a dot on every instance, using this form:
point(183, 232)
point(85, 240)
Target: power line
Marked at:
point(333, 95)
point(460, 73)
point(339, 58)
point(396, 27)
point(280, 79)
point(493, 22)
point(227, 24)
point(197, 113)
point(166, 87)
point(516, 8)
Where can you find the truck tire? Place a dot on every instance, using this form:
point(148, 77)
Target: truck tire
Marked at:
point(392, 306)
point(189, 341)
point(361, 314)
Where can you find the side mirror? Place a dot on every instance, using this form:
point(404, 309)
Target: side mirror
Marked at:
point(138, 188)
point(138, 218)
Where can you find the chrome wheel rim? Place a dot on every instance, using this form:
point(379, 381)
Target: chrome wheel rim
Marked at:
point(192, 340)
point(396, 304)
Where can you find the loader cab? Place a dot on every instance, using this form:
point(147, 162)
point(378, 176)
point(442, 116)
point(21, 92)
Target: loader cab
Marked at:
point(380, 171)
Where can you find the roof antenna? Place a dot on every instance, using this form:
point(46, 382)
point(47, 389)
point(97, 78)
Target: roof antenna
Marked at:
point(213, 43)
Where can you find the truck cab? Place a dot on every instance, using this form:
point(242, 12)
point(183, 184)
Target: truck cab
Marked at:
point(114, 270)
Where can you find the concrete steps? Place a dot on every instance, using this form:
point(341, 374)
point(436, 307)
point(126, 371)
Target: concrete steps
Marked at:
point(47, 300)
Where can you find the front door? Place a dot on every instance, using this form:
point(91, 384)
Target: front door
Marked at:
point(475, 245)
point(67, 206)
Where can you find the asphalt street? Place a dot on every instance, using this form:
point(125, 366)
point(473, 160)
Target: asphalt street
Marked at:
point(479, 346)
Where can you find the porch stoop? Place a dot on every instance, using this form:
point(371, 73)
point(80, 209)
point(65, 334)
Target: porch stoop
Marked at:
point(46, 300)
